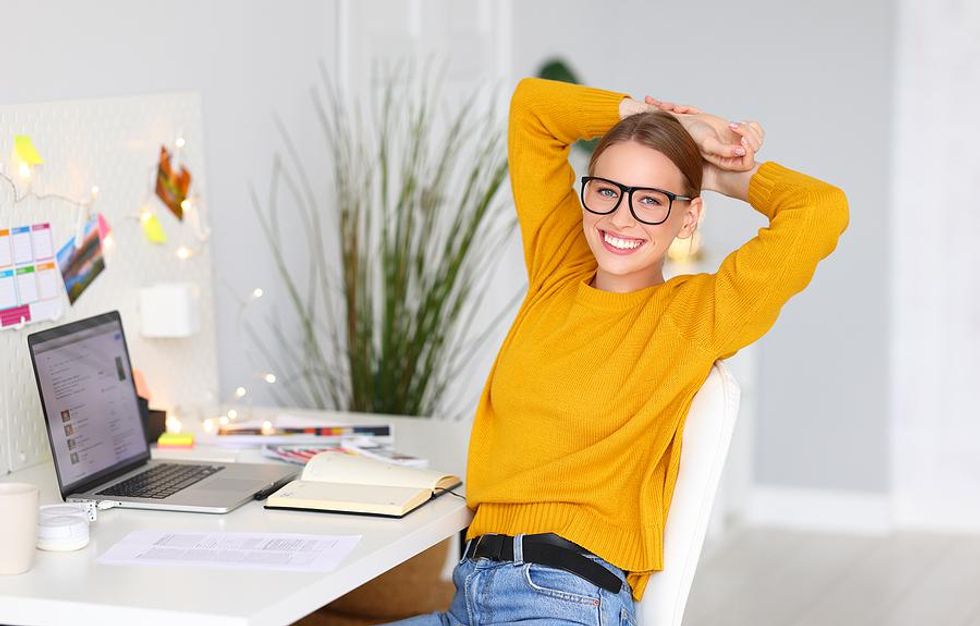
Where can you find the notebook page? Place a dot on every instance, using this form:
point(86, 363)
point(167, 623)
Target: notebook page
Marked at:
point(358, 470)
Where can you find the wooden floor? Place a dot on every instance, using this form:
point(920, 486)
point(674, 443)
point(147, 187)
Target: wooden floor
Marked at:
point(769, 577)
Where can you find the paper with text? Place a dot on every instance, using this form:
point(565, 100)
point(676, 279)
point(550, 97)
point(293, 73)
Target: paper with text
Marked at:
point(260, 551)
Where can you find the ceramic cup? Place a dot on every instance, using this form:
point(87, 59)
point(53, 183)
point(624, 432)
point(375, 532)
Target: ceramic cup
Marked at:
point(18, 526)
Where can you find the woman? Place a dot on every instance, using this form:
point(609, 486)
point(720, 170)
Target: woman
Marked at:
point(576, 441)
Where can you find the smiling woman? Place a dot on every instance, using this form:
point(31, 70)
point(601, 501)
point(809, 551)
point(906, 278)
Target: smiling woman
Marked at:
point(575, 446)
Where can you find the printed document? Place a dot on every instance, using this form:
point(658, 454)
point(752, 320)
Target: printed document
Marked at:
point(262, 551)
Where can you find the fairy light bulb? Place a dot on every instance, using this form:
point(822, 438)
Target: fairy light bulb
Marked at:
point(208, 425)
point(257, 293)
point(270, 378)
point(183, 253)
point(24, 170)
point(95, 191)
point(267, 428)
point(179, 142)
point(223, 420)
point(173, 424)
point(240, 392)
point(232, 414)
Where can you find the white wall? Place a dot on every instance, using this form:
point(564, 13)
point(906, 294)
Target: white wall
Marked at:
point(818, 77)
point(247, 60)
point(936, 276)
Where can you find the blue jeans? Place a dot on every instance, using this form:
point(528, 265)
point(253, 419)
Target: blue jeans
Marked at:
point(501, 592)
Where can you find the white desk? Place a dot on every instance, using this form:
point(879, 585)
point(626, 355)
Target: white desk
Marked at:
point(70, 588)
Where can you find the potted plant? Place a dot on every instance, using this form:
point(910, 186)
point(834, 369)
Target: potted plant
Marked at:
point(396, 254)
point(396, 258)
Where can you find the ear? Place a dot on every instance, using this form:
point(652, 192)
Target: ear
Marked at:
point(691, 216)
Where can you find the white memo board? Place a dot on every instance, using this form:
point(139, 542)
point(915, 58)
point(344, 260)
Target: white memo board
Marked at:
point(113, 144)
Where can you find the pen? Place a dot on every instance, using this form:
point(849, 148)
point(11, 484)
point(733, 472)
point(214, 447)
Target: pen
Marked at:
point(268, 491)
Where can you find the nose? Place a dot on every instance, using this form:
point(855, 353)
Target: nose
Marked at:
point(622, 217)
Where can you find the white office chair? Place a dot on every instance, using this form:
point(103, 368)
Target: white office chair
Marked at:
point(705, 440)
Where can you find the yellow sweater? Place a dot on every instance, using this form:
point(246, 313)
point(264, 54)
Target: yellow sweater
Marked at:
point(578, 428)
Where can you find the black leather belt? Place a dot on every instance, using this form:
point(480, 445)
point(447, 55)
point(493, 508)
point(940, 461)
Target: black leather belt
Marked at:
point(545, 549)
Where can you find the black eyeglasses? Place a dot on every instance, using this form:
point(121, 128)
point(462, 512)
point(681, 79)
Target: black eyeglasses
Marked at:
point(648, 205)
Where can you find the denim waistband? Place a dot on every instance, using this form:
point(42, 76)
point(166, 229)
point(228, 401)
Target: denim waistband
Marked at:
point(519, 556)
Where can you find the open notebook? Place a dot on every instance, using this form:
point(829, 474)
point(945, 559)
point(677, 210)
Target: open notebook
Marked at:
point(356, 484)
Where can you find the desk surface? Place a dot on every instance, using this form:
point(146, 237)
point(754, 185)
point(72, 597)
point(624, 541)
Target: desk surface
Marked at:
point(70, 588)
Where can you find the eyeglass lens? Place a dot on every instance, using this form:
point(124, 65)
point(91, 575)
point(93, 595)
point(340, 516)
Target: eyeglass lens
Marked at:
point(649, 205)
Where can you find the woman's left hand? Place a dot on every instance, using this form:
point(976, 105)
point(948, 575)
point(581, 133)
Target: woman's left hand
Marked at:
point(715, 135)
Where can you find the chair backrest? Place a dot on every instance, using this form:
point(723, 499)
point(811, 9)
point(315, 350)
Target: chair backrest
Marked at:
point(706, 437)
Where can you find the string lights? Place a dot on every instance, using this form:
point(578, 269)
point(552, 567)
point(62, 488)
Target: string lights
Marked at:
point(26, 171)
point(211, 425)
point(194, 214)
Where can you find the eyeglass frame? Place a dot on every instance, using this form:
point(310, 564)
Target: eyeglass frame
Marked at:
point(628, 191)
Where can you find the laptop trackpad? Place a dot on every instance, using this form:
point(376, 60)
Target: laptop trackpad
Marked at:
point(231, 484)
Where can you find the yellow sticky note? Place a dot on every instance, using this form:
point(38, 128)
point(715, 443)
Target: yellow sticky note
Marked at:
point(25, 150)
point(153, 229)
point(175, 440)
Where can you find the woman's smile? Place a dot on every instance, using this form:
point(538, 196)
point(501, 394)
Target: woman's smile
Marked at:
point(618, 244)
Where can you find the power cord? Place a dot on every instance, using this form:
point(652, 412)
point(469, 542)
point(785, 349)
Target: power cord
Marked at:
point(452, 492)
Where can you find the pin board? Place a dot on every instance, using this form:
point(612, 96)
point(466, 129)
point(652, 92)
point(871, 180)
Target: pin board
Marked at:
point(90, 168)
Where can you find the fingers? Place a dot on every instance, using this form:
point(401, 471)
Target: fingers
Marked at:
point(751, 134)
point(713, 147)
point(735, 163)
point(670, 106)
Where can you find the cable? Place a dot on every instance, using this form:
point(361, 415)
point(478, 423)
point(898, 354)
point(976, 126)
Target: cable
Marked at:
point(452, 492)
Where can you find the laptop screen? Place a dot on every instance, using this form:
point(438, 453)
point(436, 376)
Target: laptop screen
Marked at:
point(86, 387)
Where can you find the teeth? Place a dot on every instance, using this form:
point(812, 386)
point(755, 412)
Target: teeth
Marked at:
point(622, 244)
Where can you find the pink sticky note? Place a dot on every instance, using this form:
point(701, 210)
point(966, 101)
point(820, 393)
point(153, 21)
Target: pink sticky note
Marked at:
point(141, 389)
point(104, 229)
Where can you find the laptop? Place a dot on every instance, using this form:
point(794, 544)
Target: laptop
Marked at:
point(98, 441)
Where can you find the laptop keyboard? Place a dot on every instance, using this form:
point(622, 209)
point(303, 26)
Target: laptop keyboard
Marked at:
point(161, 481)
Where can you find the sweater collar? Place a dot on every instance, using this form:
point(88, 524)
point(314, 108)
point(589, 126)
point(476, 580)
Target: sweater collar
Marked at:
point(613, 301)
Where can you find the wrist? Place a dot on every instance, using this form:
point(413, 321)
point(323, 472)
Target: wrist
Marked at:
point(628, 106)
point(727, 182)
point(735, 184)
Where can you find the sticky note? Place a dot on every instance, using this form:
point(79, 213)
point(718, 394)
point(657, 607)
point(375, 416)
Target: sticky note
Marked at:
point(141, 389)
point(26, 284)
point(6, 256)
point(8, 291)
point(153, 229)
point(47, 280)
point(21, 244)
point(25, 150)
point(41, 241)
point(175, 440)
point(104, 229)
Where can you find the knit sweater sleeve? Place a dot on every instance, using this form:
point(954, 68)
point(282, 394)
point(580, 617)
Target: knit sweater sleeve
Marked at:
point(546, 117)
point(735, 306)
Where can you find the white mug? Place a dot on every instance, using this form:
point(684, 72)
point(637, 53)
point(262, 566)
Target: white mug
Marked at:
point(18, 526)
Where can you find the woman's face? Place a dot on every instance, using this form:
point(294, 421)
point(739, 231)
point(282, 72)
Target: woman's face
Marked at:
point(630, 253)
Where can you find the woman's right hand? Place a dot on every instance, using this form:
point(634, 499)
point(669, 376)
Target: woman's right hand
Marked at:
point(729, 146)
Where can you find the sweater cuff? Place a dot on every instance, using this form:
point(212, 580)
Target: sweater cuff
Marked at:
point(762, 184)
point(600, 110)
